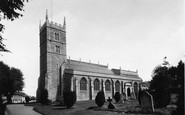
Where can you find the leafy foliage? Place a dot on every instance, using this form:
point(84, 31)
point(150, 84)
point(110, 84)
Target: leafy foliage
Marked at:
point(180, 103)
point(27, 98)
point(177, 75)
point(165, 81)
point(160, 85)
point(117, 97)
point(178, 82)
point(2, 46)
point(11, 81)
point(69, 98)
point(44, 97)
point(33, 98)
point(100, 99)
point(9, 9)
point(4, 73)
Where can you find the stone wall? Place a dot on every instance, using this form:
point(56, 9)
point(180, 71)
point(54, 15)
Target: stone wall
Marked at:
point(52, 58)
point(90, 93)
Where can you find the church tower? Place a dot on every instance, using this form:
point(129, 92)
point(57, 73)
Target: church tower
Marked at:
point(52, 58)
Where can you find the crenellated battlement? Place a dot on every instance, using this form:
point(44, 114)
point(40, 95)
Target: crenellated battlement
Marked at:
point(55, 24)
point(52, 25)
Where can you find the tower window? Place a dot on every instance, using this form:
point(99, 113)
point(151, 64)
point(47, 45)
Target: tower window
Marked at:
point(58, 49)
point(57, 36)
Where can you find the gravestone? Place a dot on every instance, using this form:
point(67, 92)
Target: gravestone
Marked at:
point(146, 102)
point(139, 97)
point(124, 96)
point(110, 106)
point(136, 94)
point(132, 95)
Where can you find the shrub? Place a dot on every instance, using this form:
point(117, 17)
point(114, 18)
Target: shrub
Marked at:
point(33, 98)
point(69, 98)
point(27, 98)
point(44, 97)
point(117, 96)
point(180, 103)
point(2, 109)
point(161, 98)
point(160, 85)
point(100, 99)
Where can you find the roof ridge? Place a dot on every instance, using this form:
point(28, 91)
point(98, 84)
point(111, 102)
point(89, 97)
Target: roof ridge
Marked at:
point(124, 70)
point(99, 65)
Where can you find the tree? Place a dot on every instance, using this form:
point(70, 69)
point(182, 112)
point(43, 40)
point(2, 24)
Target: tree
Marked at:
point(69, 98)
point(33, 98)
point(100, 99)
point(117, 97)
point(44, 97)
point(160, 85)
point(11, 81)
point(27, 98)
point(180, 74)
point(179, 82)
point(177, 77)
point(4, 72)
point(173, 76)
point(15, 81)
point(9, 9)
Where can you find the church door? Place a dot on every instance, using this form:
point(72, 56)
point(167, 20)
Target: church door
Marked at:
point(128, 92)
point(90, 90)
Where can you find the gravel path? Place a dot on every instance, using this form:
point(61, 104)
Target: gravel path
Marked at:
point(20, 109)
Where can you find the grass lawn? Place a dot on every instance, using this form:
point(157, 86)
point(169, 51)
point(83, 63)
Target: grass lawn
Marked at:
point(90, 108)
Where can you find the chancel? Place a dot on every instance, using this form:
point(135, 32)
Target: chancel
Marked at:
point(59, 74)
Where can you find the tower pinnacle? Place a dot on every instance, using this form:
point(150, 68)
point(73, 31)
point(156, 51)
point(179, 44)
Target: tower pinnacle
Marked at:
point(64, 25)
point(40, 24)
point(46, 14)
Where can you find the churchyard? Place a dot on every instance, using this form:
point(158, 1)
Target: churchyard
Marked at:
point(130, 107)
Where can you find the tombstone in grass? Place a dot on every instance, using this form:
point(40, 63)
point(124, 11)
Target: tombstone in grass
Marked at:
point(132, 95)
point(139, 97)
point(124, 96)
point(110, 106)
point(147, 104)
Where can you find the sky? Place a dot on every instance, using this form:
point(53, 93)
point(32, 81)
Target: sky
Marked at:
point(131, 34)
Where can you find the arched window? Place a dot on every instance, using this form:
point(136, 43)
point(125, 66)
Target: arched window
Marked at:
point(107, 85)
point(96, 84)
point(83, 84)
point(117, 86)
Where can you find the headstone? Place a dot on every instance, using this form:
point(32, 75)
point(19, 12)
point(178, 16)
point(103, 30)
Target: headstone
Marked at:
point(124, 96)
point(110, 106)
point(139, 97)
point(121, 101)
point(132, 95)
point(136, 94)
point(146, 102)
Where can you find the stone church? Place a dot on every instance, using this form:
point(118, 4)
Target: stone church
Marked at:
point(59, 74)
